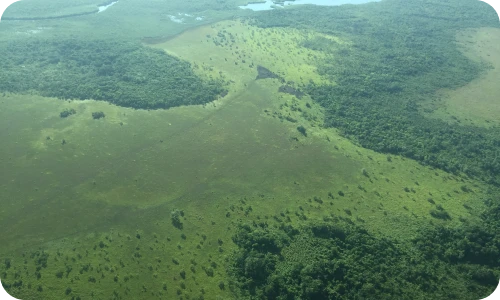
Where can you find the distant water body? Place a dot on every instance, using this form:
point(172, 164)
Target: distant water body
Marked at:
point(104, 7)
point(270, 5)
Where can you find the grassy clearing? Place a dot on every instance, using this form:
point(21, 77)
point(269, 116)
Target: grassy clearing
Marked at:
point(236, 48)
point(250, 169)
point(392, 176)
point(475, 103)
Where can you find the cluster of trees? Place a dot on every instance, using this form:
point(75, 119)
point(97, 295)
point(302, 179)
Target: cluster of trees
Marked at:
point(469, 245)
point(335, 259)
point(123, 73)
point(401, 52)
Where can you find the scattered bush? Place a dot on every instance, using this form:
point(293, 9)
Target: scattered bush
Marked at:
point(67, 112)
point(176, 218)
point(302, 130)
point(98, 115)
point(440, 214)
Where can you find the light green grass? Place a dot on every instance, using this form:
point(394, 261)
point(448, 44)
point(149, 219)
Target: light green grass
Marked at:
point(476, 103)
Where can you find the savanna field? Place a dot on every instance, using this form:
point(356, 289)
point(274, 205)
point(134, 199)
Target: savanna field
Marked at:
point(197, 150)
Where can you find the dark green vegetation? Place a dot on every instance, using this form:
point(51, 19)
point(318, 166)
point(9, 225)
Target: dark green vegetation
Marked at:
point(67, 112)
point(97, 115)
point(125, 74)
point(440, 213)
point(176, 216)
point(402, 52)
point(302, 130)
point(264, 73)
point(290, 90)
point(475, 249)
point(335, 259)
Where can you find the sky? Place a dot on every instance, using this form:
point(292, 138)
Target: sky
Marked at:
point(493, 2)
point(3, 4)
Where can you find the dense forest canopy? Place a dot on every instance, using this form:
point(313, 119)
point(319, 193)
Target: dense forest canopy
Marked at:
point(336, 259)
point(123, 73)
point(401, 53)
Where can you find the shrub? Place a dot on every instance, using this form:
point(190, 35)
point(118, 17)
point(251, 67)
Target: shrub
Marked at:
point(176, 218)
point(440, 214)
point(302, 130)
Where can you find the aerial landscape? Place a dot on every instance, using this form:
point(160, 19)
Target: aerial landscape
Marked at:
point(235, 149)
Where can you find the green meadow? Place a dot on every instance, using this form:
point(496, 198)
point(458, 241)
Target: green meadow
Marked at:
point(152, 203)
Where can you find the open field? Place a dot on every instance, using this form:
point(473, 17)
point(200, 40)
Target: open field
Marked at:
point(477, 102)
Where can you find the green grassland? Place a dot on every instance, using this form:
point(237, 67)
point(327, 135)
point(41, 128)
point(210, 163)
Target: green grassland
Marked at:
point(111, 180)
point(475, 103)
point(92, 218)
point(300, 111)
